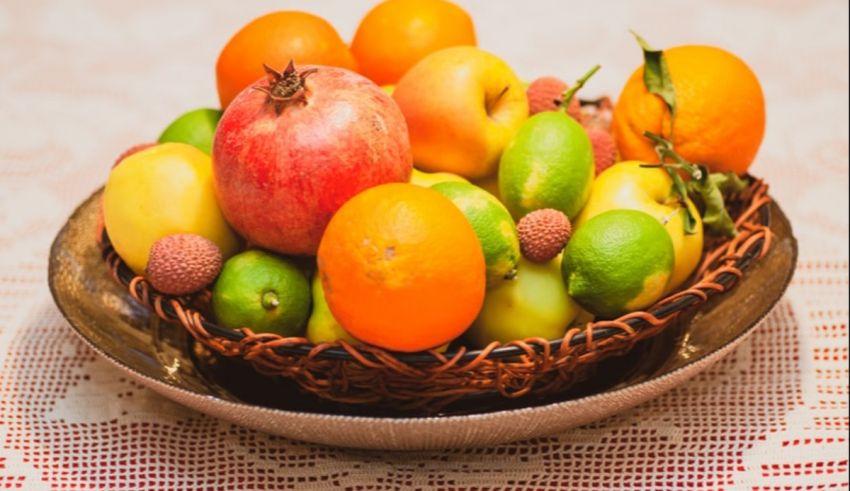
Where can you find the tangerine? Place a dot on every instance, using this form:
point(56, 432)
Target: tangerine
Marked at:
point(402, 268)
point(274, 39)
point(720, 111)
point(396, 34)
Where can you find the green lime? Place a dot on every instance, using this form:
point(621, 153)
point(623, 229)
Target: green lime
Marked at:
point(534, 304)
point(492, 224)
point(322, 327)
point(618, 261)
point(261, 291)
point(548, 164)
point(196, 128)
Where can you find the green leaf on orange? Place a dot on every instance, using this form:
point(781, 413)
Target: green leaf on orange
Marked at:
point(656, 75)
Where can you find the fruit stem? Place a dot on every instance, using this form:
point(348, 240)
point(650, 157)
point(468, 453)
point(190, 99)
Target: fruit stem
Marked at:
point(285, 87)
point(490, 104)
point(568, 95)
point(703, 185)
point(270, 300)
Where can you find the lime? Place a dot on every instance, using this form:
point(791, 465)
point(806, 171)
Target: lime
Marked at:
point(322, 327)
point(631, 185)
point(618, 261)
point(492, 224)
point(262, 291)
point(196, 128)
point(534, 304)
point(548, 164)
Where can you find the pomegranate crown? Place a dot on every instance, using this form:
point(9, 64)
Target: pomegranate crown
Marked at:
point(285, 87)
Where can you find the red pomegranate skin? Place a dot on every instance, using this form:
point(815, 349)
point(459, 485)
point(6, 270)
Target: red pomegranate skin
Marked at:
point(280, 177)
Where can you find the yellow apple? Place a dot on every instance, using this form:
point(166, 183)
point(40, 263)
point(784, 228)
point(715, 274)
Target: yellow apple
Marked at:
point(462, 106)
point(627, 185)
point(428, 179)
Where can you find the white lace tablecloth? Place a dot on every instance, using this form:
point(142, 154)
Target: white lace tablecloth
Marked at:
point(81, 81)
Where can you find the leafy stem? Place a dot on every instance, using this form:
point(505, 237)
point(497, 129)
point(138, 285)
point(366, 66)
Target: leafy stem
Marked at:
point(569, 93)
point(656, 76)
point(708, 189)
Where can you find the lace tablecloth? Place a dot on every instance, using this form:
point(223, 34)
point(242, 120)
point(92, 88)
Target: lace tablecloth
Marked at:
point(83, 80)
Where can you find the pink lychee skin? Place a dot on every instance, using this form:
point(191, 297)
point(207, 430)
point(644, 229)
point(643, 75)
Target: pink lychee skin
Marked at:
point(545, 91)
point(604, 149)
point(280, 178)
point(181, 264)
point(543, 234)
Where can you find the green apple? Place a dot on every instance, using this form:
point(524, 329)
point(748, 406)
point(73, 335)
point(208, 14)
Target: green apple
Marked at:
point(534, 304)
point(196, 128)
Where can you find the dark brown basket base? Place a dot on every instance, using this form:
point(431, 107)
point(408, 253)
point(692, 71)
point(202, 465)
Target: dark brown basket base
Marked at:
point(427, 381)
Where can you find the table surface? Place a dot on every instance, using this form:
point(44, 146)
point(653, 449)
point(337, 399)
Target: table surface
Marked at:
point(84, 80)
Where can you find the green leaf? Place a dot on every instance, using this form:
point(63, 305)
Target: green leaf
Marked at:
point(705, 188)
point(656, 75)
point(682, 191)
point(715, 219)
point(728, 182)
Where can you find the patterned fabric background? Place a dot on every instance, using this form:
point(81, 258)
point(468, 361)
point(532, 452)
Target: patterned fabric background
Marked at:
point(84, 80)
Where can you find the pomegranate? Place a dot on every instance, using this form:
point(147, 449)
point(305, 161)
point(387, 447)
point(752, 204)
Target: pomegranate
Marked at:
point(291, 150)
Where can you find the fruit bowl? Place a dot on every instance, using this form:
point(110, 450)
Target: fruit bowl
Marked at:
point(429, 381)
point(165, 358)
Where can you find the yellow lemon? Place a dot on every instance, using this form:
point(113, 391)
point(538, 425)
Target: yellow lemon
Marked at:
point(163, 190)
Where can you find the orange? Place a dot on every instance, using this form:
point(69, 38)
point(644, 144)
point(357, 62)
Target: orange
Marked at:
point(274, 39)
point(398, 33)
point(402, 268)
point(720, 114)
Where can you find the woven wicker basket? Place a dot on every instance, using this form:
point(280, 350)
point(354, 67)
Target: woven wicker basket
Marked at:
point(427, 381)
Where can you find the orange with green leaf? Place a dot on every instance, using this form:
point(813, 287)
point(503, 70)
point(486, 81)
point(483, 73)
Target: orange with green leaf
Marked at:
point(705, 100)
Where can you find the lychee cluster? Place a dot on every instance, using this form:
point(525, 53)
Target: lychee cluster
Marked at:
point(543, 234)
point(604, 149)
point(181, 264)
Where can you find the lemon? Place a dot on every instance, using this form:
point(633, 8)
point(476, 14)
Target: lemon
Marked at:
point(534, 304)
point(163, 190)
point(619, 261)
point(548, 164)
point(262, 291)
point(492, 224)
point(322, 327)
point(195, 128)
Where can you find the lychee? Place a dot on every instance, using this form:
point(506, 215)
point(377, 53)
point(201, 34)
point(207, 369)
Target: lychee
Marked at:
point(604, 149)
point(130, 151)
point(543, 234)
point(598, 114)
point(181, 264)
point(545, 94)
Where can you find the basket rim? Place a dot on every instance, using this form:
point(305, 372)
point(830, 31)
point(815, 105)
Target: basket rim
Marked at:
point(125, 276)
